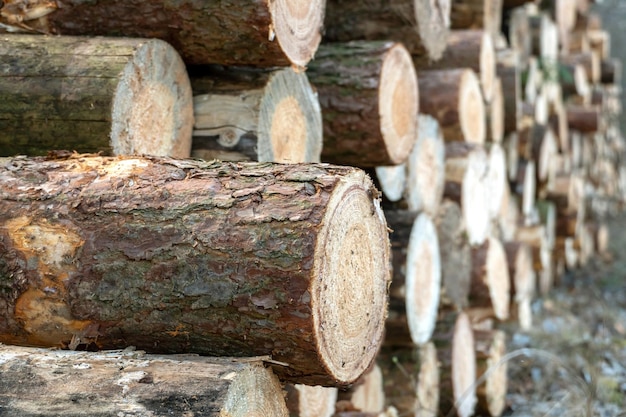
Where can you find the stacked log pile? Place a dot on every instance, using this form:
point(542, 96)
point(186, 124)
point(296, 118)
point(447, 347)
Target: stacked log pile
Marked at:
point(490, 127)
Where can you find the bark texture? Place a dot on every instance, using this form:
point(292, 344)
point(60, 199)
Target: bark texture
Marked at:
point(259, 115)
point(370, 102)
point(235, 32)
point(117, 96)
point(185, 256)
point(49, 383)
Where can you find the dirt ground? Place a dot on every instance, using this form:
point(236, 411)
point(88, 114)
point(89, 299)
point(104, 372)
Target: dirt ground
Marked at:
point(573, 361)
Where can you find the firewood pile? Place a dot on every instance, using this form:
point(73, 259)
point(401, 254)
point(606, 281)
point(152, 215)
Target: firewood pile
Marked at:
point(190, 215)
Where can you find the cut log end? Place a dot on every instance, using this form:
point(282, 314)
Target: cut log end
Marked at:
point(310, 400)
point(433, 21)
point(472, 109)
point(398, 103)
point(297, 27)
point(152, 108)
point(463, 367)
point(428, 382)
point(490, 350)
point(290, 121)
point(487, 62)
point(423, 279)
point(351, 282)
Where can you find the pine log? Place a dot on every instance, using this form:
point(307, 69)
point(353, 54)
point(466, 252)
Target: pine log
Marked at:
point(512, 155)
point(454, 340)
point(368, 394)
point(310, 400)
point(426, 168)
point(526, 186)
point(421, 25)
point(392, 181)
point(466, 173)
point(573, 78)
point(611, 71)
point(495, 113)
point(411, 379)
point(266, 116)
point(453, 97)
point(467, 49)
point(507, 69)
point(260, 34)
point(589, 61)
point(368, 92)
point(116, 96)
point(456, 260)
point(509, 217)
point(50, 383)
point(228, 235)
point(534, 79)
point(518, 33)
point(490, 283)
point(491, 370)
point(599, 42)
point(563, 12)
point(477, 14)
point(545, 42)
point(585, 119)
point(538, 143)
point(520, 261)
point(558, 122)
point(415, 287)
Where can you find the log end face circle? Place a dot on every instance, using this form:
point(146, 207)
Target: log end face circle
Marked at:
point(351, 277)
point(463, 367)
point(472, 108)
point(398, 103)
point(498, 278)
point(152, 108)
point(428, 381)
point(245, 399)
point(497, 382)
point(423, 279)
point(433, 22)
point(487, 64)
point(297, 28)
point(474, 203)
point(290, 120)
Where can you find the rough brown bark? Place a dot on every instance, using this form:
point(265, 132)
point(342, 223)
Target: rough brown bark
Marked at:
point(245, 114)
point(456, 261)
point(310, 400)
point(585, 119)
point(368, 92)
point(507, 69)
point(255, 33)
point(117, 96)
point(411, 379)
point(188, 256)
point(490, 282)
point(421, 25)
point(51, 383)
point(467, 49)
point(415, 287)
point(453, 97)
point(611, 71)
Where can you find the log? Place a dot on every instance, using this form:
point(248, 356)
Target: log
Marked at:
point(507, 69)
point(585, 119)
point(495, 113)
point(467, 49)
point(51, 383)
point(310, 401)
point(368, 92)
point(189, 256)
point(454, 340)
point(538, 143)
point(116, 96)
point(496, 180)
point(589, 61)
point(563, 12)
point(509, 217)
point(421, 25)
point(456, 261)
point(545, 42)
point(246, 114)
point(477, 14)
point(466, 173)
point(611, 71)
point(368, 394)
point(258, 34)
point(520, 261)
point(392, 181)
point(416, 283)
point(490, 283)
point(411, 379)
point(426, 168)
point(491, 370)
point(519, 35)
point(453, 97)
point(526, 186)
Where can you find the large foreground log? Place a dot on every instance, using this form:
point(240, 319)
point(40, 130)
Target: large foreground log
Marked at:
point(266, 116)
point(118, 96)
point(370, 102)
point(257, 33)
point(51, 383)
point(185, 256)
point(421, 25)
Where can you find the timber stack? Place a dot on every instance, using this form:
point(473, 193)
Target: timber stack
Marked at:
point(257, 268)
